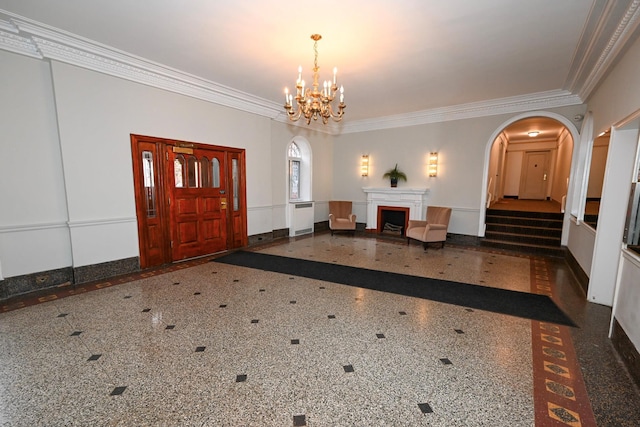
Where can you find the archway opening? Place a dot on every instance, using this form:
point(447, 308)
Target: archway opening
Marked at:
point(527, 184)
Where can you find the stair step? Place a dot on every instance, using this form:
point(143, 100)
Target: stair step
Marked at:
point(523, 221)
point(523, 238)
point(526, 214)
point(525, 230)
point(556, 251)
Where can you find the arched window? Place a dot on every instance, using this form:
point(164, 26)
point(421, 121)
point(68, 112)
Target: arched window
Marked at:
point(299, 171)
point(294, 171)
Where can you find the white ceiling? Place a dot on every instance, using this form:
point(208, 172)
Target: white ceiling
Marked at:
point(401, 58)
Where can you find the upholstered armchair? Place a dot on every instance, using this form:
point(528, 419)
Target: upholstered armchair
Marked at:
point(340, 217)
point(434, 229)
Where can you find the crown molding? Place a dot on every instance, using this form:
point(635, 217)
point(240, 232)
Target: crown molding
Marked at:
point(41, 41)
point(514, 104)
point(30, 38)
point(611, 25)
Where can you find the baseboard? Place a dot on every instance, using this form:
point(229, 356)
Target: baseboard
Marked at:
point(90, 273)
point(33, 282)
point(627, 351)
point(578, 272)
point(66, 276)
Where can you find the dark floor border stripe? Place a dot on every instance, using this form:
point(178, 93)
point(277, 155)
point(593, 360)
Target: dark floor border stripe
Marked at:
point(514, 303)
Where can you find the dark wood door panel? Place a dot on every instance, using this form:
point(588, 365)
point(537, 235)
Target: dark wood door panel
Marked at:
point(200, 211)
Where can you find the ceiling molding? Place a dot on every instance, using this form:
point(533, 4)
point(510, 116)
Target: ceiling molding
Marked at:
point(613, 25)
point(515, 104)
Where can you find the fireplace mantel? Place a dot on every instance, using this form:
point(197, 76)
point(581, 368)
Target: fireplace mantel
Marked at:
point(413, 198)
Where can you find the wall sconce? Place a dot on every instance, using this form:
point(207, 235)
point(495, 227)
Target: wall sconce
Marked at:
point(364, 165)
point(433, 164)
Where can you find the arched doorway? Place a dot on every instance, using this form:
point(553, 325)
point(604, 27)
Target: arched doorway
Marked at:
point(527, 166)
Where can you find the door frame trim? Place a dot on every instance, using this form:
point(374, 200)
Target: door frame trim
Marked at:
point(161, 145)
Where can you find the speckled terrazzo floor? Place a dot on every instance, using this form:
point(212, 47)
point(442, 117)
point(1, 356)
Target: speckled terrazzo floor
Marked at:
point(221, 345)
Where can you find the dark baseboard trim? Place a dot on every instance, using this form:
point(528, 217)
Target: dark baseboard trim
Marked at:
point(627, 351)
point(90, 273)
point(67, 276)
point(33, 282)
point(578, 272)
point(463, 240)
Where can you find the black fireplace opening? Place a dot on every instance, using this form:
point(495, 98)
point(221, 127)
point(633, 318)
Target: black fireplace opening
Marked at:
point(393, 222)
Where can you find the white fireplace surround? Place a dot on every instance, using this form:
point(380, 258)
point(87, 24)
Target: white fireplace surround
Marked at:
point(413, 198)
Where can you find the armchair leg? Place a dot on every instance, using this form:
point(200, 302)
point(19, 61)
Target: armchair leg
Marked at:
point(425, 245)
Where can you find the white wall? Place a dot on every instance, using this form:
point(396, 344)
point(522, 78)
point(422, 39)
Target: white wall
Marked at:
point(97, 114)
point(563, 166)
point(597, 167)
point(616, 98)
point(461, 146)
point(33, 213)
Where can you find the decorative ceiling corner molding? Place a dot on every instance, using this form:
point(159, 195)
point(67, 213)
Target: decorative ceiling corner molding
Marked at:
point(625, 30)
point(609, 28)
point(40, 41)
point(13, 42)
point(516, 104)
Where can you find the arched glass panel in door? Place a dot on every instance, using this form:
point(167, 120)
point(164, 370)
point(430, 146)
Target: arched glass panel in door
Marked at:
point(205, 172)
point(215, 172)
point(179, 171)
point(192, 172)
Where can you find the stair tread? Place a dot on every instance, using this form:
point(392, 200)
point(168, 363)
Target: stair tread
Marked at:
point(506, 233)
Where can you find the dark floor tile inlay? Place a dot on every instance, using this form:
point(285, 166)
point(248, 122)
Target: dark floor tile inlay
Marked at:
point(200, 349)
point(261, 290)
point(127, 297)
point(63, 314)
point(75, 334)
point(459, 331)
point(146, 310)
point(469, 310)
point(241, 378)
point(295, 341)
point(223, 305)
point(292, 302)
point(94, 357)
point(425, 408)
point(446, 361)
point(254, 321)
point(176, 283)
point(197, 293)
point(170, 326)
point(322, 287)
point(331, 316)
point(348, 368)
point(299, 420)
point(402, 313)
point(118, 391)
point(380, 335)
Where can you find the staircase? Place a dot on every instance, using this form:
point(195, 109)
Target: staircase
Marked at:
point(529, 232)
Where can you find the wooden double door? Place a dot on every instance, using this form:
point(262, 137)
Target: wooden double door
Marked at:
point(190, 199)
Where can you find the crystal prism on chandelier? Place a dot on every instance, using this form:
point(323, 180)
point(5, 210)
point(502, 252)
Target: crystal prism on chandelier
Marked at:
point(313, 102)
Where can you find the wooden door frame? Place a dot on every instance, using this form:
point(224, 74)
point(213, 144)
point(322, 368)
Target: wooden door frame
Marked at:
point(164, 180)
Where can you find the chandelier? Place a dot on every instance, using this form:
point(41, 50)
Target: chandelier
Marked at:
point(313, 102)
